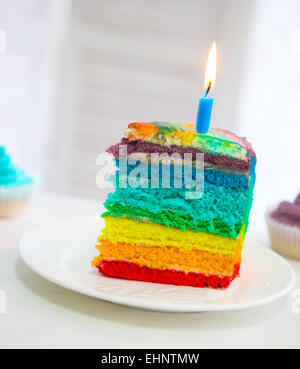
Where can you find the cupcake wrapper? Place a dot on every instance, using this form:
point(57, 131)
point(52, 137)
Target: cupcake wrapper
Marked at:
point(13, 200)
point(285, 239)
point(11, 208)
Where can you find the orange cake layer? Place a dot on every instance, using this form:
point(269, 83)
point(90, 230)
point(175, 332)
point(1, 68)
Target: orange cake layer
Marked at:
point(169, 258)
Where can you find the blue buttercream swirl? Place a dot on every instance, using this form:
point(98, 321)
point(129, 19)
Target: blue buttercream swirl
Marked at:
point(10, 174)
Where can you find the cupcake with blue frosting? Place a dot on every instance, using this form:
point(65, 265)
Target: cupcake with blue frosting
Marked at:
point(15, 186)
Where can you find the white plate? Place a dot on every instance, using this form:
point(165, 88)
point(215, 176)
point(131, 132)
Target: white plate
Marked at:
point(61, 252)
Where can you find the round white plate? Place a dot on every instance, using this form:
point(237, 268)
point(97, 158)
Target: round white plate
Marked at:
point(61, 252)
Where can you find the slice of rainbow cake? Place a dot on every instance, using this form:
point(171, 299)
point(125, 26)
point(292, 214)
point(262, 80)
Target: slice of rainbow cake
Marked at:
point(153, 232)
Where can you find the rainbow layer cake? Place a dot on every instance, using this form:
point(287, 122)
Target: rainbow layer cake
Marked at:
point(158, 228)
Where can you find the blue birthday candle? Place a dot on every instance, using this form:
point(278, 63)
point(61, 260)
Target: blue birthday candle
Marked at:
point(205, 102)
point(204, 114)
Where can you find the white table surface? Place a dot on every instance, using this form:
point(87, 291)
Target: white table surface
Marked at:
point(40, 314)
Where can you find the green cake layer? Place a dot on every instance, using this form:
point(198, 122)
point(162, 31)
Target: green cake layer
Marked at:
point(175, 219)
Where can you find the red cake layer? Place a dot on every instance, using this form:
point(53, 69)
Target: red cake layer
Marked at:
point(127, 270)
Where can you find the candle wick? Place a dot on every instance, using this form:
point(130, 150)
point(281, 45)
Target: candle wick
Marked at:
point(208, 88)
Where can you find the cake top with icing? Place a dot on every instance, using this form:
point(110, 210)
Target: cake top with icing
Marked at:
point(10, 174)
point(288, 212)
point(215, 141)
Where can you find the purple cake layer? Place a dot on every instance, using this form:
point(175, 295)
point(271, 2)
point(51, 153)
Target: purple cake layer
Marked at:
point(220, 161)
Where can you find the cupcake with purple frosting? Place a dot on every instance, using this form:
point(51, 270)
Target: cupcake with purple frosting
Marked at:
point(15, 186)
point(284, 228)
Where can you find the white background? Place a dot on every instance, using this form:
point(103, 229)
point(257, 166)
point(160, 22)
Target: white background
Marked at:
point(76, 72)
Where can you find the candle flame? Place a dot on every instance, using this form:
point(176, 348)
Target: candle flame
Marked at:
point(211, 66)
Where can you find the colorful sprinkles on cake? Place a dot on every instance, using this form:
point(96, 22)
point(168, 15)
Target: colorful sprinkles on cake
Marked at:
point(156, 234)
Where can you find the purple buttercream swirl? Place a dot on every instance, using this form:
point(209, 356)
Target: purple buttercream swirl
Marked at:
point(288, 212)
point(220, 161)
point(297, 200)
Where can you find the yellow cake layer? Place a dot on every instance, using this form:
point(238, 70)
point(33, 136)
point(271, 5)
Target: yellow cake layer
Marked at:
point(169, 258)
point(152, 234)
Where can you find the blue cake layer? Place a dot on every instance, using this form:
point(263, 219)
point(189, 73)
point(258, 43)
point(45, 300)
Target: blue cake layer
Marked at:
point(214, 204)
point(227, 180)
point(220, 210)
